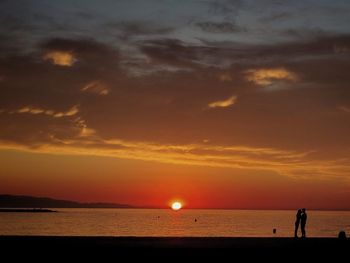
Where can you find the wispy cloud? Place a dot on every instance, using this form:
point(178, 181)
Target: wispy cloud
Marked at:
point(342, 49)
point(344, 108)
point(223, 103)
point(219, 27)
point(72, 111)
point(85, 131)
point(33, 110)
point(129, 29)
point(224, 54)
point(97, 87)
point(288, 163)
point(267, 76)
point(60, 58)
point(37, 110)
point(225, 77)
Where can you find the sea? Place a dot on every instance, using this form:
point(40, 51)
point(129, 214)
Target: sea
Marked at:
point(166, 222)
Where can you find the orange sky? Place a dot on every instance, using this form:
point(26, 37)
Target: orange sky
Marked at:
point(222, 104)
point(153, 184)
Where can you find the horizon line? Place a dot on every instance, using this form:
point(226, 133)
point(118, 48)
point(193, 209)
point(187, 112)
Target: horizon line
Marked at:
point(131, 206)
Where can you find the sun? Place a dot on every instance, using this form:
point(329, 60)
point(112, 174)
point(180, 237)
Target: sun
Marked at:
point(176, 206)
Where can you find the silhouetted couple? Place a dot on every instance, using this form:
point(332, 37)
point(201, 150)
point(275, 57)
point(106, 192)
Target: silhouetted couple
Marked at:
point(301, 218)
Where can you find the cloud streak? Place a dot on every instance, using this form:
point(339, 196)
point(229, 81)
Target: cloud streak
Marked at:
point(96, 87)
point(223, 103)
point(37, 110)
point(344, 108)
point(288, 163)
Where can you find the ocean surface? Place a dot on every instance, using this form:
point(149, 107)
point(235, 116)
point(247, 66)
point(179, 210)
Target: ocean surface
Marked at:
point(165, 222)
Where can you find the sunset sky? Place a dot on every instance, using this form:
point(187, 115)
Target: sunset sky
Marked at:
point(217, 103)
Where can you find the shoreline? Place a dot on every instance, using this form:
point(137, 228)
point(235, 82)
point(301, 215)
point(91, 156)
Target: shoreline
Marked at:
point(202, 247)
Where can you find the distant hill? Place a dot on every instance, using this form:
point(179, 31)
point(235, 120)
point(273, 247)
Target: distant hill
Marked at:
point(17, 201)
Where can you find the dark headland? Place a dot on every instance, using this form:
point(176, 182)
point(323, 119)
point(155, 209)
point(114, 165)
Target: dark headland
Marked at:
point(168, 248)
point(26, 210)
point(19, 201)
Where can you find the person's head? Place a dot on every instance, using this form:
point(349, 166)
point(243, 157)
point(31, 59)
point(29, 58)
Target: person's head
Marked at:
point(299, 211)
point(304, 210)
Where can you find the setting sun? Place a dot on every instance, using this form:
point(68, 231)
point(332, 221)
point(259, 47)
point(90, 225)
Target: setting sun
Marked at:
point(176, 206)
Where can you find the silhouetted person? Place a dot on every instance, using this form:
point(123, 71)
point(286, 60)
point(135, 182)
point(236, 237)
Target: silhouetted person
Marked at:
point(303, 222)
point(342, 235)
point(297, 222)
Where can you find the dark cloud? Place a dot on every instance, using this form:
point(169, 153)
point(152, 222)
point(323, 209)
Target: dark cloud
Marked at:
point(10, 23)
point(10, 45)
point(219, 27)
point(225, 7)
point(265, 91)
point(43, 21)
point(315, 48)
point(306, 35)
point(140, 28)
point(172, 107)
point(129, 29)
point(172, 51)
point(321, 85)
point(29, 80)
point(85, 15)
point(83, 46)
point(276, 17)
point(88, 52)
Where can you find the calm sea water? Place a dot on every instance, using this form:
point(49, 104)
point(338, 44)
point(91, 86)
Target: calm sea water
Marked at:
point(162, 222)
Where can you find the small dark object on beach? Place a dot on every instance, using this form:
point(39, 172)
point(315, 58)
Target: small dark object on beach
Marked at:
point(342, 235)
point(195, 220)
point(274, 231)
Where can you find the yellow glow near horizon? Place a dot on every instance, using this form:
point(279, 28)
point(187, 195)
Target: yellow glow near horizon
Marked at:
point(176, 206)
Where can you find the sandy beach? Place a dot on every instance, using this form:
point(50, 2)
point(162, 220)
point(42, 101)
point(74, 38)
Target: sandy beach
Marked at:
point(163, 247)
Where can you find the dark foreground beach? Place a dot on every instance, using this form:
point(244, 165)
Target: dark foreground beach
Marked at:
point(273, 249)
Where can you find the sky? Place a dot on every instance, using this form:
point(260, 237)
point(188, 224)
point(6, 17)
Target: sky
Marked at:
point(217, 103)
